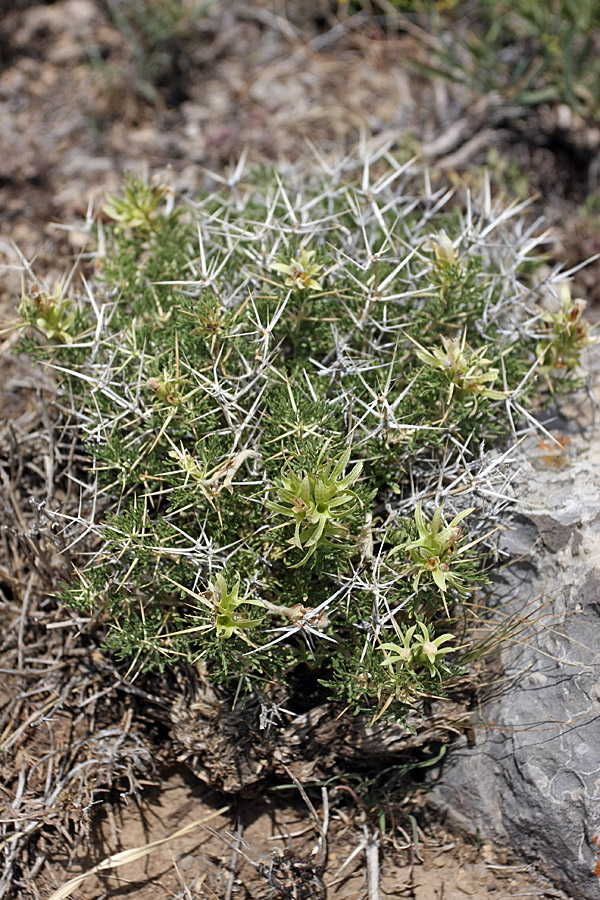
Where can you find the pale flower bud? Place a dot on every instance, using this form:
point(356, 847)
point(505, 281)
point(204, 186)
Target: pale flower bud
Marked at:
point(442, 248)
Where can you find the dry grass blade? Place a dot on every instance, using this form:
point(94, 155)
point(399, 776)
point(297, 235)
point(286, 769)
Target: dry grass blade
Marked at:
point(129, 856)
point(320, 852)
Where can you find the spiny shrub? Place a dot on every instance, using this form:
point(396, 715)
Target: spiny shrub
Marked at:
point(289, 392)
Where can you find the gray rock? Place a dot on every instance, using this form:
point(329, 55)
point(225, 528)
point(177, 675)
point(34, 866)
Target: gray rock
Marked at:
point(531, 781)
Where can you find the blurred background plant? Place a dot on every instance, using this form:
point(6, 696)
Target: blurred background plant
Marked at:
point(526, 51)
point(161, 35)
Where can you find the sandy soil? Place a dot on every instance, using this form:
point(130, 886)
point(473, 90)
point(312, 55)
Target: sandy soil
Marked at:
point(222, 857)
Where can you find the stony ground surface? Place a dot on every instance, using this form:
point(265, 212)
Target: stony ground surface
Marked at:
point(85, 768)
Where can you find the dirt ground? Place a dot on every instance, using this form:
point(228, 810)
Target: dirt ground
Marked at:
point(226, 865)
point(86, 766)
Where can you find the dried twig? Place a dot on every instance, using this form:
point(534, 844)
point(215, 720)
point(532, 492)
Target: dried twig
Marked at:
point(372, 854)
